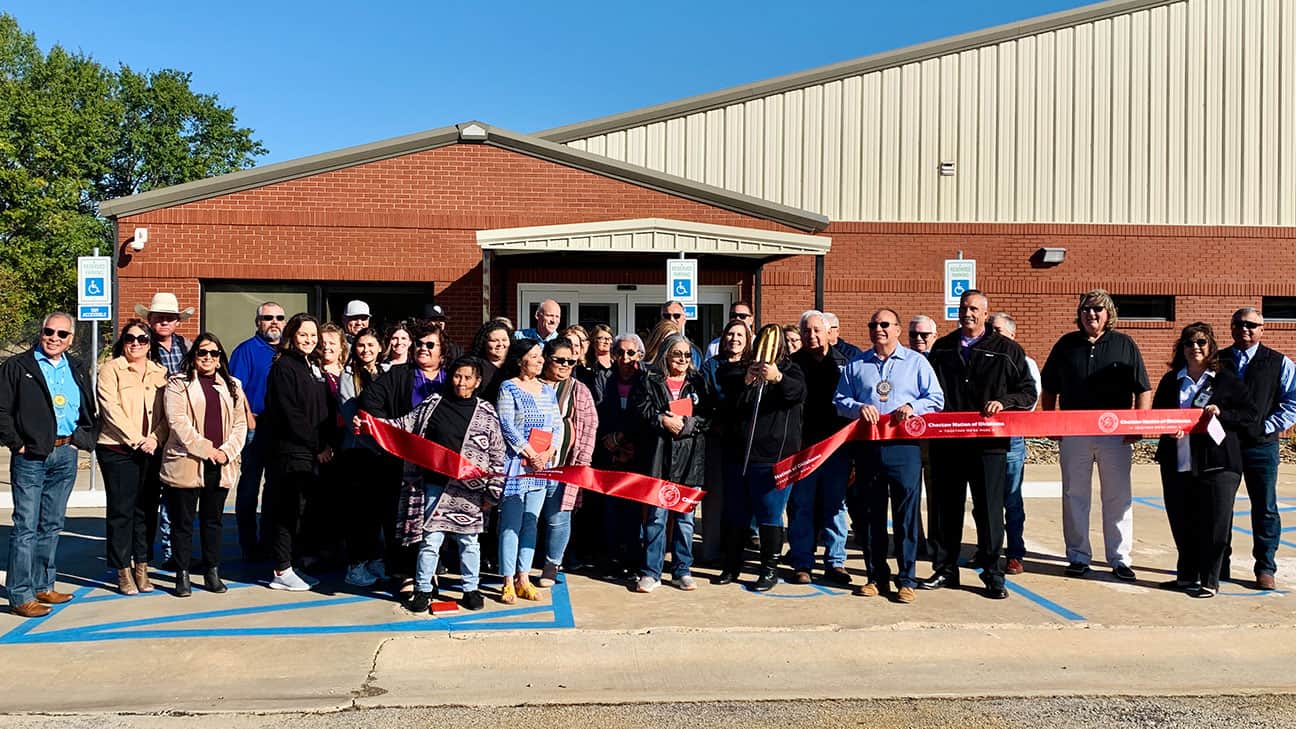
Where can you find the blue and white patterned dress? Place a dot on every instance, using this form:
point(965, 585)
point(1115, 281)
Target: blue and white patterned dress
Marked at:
point(519, 412)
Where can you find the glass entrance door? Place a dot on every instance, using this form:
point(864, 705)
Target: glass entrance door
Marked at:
point(625, 311)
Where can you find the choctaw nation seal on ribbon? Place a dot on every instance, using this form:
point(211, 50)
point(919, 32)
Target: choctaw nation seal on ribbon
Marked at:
point(1108, 422)
point(914, 427)
point(668, 495)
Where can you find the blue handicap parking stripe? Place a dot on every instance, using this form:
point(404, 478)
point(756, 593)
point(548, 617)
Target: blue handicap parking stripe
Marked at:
point(1157, 503)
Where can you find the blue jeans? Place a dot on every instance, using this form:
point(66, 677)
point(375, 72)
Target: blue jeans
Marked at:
point(1014, 509)
point(1260, 469)
point(753, 495)
point(655, 543)
point(430, 550)
point(829, 480)
point(518, 516)
point(248, 493)
point(41, 488)
point(557, 524)
point(894, 473)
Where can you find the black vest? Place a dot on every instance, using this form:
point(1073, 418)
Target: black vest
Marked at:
point(1262, 379)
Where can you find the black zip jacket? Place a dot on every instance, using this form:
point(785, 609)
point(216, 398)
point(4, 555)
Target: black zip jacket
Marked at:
point(778, 424)
point(995, 370)
point(296, 412)
point(658, 453)
point(27, 412)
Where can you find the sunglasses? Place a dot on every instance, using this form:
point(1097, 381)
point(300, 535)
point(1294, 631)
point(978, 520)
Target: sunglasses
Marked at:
point(922, 335)
point(1094, 309)
point(879, 325)
point(428, 344)
point(627, 353)
point(358, 317)
point(135, 339)
point(1203, 343)
point(673, 315)
point(1252, 325)
point(679, 355)
point(60, 333)
point(564, 361)
point(743, 317)
point(271, 317)
point(200, 353)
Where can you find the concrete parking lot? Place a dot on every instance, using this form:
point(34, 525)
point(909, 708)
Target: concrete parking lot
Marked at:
point(590, 640)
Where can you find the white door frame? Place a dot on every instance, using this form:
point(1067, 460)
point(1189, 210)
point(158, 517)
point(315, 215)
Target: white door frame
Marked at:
point(572, 295)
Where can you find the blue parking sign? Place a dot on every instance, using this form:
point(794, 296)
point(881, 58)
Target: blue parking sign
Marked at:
point(958, 287)
point(681, 288)
point(94, 287)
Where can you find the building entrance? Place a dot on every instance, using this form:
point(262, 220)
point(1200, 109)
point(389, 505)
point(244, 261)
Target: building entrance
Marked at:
point(626, 308)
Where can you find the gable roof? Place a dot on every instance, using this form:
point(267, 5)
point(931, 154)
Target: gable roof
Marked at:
point(472, 132)
point(844, 69)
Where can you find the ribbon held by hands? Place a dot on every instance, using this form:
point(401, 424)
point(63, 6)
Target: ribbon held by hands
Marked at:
point(436, 457)
point(1003, 424)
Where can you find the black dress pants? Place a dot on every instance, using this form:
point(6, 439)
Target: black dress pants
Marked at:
point(362, 505)
point(208, 504)
point(132, 491)
point(957, 466)
point(288, 500)
point(1200, 510)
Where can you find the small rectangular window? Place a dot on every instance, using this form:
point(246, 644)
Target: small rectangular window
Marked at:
point(1278, 308)
point(1145, 308)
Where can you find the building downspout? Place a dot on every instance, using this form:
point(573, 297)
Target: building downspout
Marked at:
point(819, 282)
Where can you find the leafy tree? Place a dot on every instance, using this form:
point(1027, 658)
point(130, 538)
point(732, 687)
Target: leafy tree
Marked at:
point(74, 133)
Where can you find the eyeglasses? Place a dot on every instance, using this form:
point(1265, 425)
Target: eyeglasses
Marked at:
point(273, 317)
point(626, 353)
point(135, 339)
point(200, 353)
point(1094, 308)
point(680, 355)
point(1252, 325)
point(922, 335)
point(564, 361)
point(1203, 343)
point(673, 315)
point(879, 325)
point(428, 344)
point(60, 333)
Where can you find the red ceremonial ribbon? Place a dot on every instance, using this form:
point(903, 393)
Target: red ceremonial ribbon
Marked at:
point(436, 457)
point(1004, 424)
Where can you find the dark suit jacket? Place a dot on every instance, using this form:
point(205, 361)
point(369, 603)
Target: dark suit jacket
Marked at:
point(27, 411)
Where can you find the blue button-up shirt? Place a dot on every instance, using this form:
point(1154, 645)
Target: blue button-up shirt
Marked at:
point(531, 333)
point(65, 396)
point(1284, 414)
point(913, 383)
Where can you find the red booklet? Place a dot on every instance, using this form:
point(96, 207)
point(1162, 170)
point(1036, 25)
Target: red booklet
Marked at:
point(441, 607)
point(540, 440)
point(682, 407)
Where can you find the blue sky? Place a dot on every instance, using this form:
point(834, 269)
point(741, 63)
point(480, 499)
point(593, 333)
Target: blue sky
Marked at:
point(316, 77)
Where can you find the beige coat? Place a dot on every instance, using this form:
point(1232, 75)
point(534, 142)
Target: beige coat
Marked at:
point(125, 399)
point(186, 448)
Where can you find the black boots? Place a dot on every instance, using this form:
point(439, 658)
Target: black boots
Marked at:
point(771, 548)
point(182, 584)
point(212, 581)
point(731, 557)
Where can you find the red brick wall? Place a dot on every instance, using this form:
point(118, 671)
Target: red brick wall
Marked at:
point(1211, 271)
point(414, 218)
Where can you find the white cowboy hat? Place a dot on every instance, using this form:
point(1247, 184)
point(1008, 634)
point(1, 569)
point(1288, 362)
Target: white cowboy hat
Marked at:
point(164, 303)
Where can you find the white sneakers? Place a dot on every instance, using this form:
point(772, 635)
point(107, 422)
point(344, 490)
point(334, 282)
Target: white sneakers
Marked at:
point(646, 584)
point(360, 576)
point(291, 581)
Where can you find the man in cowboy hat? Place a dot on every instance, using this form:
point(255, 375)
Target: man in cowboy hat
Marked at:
point(167, 349)
point(164, 314)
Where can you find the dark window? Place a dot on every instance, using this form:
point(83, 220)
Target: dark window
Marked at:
point(1145, 308)
point(1279, 308)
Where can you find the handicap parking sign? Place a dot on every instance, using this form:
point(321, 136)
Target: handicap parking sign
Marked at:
point(958, 287)
point(94, 287)
point(682, 288)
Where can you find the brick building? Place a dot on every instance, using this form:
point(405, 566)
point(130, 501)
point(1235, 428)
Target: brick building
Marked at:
point(1150, 139)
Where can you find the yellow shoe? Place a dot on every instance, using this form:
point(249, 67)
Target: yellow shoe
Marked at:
point(507, 596)
point(527, 591)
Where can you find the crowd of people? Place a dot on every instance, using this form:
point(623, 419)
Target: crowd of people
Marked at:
point(284, 420)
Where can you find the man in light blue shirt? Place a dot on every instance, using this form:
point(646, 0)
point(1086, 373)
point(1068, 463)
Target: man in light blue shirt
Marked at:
point(547, 317)
point(1270, 380)
point(888, 380)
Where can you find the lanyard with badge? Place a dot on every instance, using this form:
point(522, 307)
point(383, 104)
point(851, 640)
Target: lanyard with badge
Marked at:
point(1204, 393)
point(883, 387)
point(57, 386)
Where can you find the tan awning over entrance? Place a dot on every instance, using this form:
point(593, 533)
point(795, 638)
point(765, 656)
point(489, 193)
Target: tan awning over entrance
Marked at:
point(651, 235)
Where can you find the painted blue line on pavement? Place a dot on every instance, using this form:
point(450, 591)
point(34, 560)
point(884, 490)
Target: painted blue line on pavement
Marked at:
point(1042, 601)
point(25, 627)
point(1152, 502)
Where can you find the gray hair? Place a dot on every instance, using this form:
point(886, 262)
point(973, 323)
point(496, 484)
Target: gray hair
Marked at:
point(662, 361)
point(831, 319)
point(812, 313)
point(1008, 322)
point(1247, 310)
point(921, 318)
point(58, 315)
point(629, 337)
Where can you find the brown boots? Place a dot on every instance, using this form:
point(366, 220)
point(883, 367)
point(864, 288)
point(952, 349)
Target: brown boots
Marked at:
point(141, 577)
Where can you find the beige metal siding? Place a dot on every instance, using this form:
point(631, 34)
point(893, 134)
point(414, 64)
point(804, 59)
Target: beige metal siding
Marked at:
point(1183, 113)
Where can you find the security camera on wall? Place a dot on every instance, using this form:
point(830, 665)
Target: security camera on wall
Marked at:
point(139, 239)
